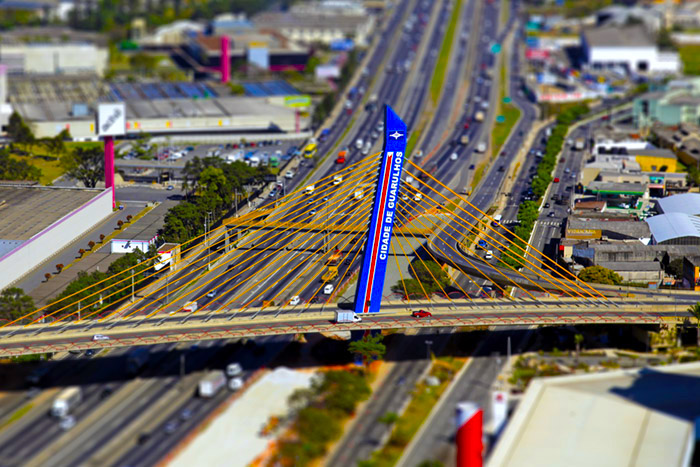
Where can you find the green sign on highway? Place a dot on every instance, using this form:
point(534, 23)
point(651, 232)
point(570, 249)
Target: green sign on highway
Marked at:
point(500, 119)
point(496, 48)
point(506, 100)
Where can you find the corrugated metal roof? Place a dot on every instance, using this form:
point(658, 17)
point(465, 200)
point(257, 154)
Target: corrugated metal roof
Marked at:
point(687, 203)
point(674, 225)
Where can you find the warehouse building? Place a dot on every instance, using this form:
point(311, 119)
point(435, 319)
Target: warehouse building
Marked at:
point(36, 222)
point(650, 413)
point(630, 48)
point(51, 104)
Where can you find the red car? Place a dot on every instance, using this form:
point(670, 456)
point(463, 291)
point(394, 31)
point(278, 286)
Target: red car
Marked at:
point(466, 126)
point(421, 314)
point(556, 179)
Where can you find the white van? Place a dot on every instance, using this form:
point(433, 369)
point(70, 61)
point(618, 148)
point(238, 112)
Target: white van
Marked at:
point(328, 289)
point(359, 194)
point(488, 255)
point(309, 190)
point(337, 180)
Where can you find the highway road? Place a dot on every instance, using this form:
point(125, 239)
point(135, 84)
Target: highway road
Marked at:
point(436, 442)
point(368, 432)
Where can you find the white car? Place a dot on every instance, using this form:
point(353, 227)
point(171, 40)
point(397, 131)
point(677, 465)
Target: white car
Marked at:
point(488, 255)
point(233, 369)
point(359, 143)
point(211, 294)
point(337, 180)
point(67, 423)
point(100, 337)
point(328, 289)
point(404, 197)
point(234, 384)
point(289, 174)
point(454, 156)
point(418, 197)
point(294, 301)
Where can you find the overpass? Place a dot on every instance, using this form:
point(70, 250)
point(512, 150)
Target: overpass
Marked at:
point(206, 325)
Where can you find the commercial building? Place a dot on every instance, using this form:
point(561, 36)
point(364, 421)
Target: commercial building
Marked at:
point(644, 417)
point(50, 104)
point(687, 203)
point(37, 222)
point(53, 51)
point(609, 229)
point(680, 104)
point(320, 22)
point(629, 48)
point(264, 49)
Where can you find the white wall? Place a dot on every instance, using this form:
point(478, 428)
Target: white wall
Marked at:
point(55, 237)
point(632, 56)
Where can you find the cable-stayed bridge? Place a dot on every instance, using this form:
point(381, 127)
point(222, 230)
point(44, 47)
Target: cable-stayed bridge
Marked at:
point(285, 267)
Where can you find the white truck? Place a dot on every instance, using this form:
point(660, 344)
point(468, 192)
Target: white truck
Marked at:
point(66, 401)
point(479, 116)
point(190, 307)
point(211, 384)
point(481, 147)
point(346, 317)
point(579, 144)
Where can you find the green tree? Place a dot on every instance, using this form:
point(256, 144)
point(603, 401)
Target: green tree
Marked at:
point(665, 41)
point(695, 311)
point(19, 131)
point(13, 169)
point(213, 180)
point(85, 165)
point(578, 340)
point(14, 303)
point(368, 347)
point(675, 268)
point(600, 275)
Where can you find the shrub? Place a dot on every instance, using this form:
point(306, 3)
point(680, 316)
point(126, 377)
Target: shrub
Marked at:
point(59, 267)
point(120, 223)
point(81, 252)
point(91, 244)
point(47, 276)
point(129, 217)
point(102, 237)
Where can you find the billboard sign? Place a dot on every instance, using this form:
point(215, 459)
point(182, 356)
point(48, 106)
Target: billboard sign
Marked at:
point(111, 119)
point(297, 101)
point(369, 288)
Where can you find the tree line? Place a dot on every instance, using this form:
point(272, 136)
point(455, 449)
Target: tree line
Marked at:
point(529, 210)
point(209, 185)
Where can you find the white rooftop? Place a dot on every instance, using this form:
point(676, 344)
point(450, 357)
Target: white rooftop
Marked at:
point(640, 417)
point(687, 203)
point(673, 225)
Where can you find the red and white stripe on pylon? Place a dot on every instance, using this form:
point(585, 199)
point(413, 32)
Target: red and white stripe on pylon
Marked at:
point(470, 419)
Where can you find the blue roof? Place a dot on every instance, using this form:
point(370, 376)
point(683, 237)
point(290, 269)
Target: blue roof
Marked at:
point(687, 203)
point(666, 227)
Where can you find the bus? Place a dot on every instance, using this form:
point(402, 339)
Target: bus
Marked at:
point(310, 150)
point(273, 161)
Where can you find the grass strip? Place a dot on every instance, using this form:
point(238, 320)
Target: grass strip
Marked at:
point(424, 398)
point(510, 113)
point(441, 64)
point(19, 413)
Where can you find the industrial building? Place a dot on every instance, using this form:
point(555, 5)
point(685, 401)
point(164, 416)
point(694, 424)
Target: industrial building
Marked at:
point(250, 49)
point(644, 417)
point(630, 48)
point(325, 22)
point(53, 51)
point(51, 104)
point(36, 222)
point(678, 222)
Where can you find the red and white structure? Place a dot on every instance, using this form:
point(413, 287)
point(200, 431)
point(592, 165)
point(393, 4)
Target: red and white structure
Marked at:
point(111, 122)
point(470, 420)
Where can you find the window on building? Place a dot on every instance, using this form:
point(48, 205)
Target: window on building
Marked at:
point(642, 65)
